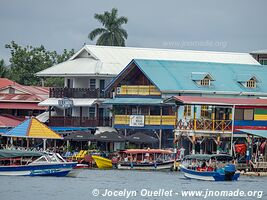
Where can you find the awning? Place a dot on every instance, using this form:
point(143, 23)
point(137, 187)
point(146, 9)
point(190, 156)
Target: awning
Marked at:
point(218, 101)
point(43, 117)
point(20, 106)
point(133, 101)
point(77, 102)
point(260, 133)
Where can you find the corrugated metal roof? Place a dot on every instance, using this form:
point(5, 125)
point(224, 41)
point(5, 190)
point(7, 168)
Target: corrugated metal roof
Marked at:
point(260, 133)
point(133, 101)
point(108, 60)
point(263, 51)
point(244, 77)
point(219, 101)
point(32, 128)
point(197, 76)
point(6, 121)
point(175, 76)
point(21, 106)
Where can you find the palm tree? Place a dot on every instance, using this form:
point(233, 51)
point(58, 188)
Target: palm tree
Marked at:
point(112, 34)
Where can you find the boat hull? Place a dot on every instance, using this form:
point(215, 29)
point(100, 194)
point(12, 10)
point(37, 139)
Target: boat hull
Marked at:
point(60, 169)
point(146, 166)
point(102, 163)
point(208, 176)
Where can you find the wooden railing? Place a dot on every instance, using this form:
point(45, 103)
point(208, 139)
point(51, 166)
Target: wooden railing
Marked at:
point(79, 121)
point(205, 125)
point(75, 93)
point(149, 120)
point(141, 90)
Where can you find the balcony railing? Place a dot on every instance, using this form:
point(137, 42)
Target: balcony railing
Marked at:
point(79, 121)
point(141, 90)
point(149, 120)
point(205, 125)
point(75, 93)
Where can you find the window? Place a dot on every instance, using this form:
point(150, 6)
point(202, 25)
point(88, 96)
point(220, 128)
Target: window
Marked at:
point(205, 81)
point(244, 114)
point(11, 91)
point(251, 83)
point(92, 83)
point(263, 61)
point(205, 111)
point(248, 114)
point(154, 110)
point(69, 83)
point(187, 110)
point(92, 112)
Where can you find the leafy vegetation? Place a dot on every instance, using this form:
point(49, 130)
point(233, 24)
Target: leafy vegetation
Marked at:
point(26, 61)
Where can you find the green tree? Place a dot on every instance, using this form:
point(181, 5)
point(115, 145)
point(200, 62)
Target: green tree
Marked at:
point(3, 69)
point(112, 33)
point(26, 61)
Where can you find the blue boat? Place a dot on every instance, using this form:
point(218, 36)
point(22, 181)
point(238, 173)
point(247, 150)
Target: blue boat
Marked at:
point(216, 167)
point(29, 163)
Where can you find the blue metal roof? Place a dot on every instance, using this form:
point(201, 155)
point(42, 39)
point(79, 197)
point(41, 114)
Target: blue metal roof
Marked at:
point(176, 75)
point(260, 133)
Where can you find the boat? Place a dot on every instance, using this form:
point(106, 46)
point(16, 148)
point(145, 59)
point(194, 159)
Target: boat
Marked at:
point(145, 159)
point(215, 167)
point(30, 163)
point(101, 162)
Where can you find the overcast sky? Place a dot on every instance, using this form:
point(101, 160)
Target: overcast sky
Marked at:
point(226, 25)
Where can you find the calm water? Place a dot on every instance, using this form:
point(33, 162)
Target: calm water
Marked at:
point(81, 187)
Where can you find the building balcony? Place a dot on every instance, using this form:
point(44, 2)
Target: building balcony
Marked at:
point(79, 121)
point(205, 125)
point(168, 120)
point(75, 93)
point(138, 90)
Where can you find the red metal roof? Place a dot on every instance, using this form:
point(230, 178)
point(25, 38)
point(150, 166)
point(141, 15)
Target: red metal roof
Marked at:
point(6, 121)
point(26, 106)
point(220, 101)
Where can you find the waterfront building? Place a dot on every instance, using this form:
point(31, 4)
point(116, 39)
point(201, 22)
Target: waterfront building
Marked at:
point(260, 56)
point(20, 100)
point(143, 99)
point(91, 69)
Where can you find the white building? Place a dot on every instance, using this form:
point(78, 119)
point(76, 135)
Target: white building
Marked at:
point(91, 69)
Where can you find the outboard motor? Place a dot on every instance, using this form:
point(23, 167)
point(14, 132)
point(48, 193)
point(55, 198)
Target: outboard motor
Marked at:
point(229, 172)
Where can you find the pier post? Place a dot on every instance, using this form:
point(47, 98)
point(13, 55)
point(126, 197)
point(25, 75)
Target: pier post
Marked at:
point(193, 144)
point(160, 138)
point(44, 144)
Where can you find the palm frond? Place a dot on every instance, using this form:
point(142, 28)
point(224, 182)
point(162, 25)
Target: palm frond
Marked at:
point(96, 32)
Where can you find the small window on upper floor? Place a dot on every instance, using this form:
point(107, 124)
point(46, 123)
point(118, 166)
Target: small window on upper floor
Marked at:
point(205, 81)
point(202, 78)
point(247, 80)
point(92, 83)
point(251, 83)
point(11, 91)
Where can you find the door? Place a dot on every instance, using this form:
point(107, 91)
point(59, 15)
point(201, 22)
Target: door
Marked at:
point(102, 87)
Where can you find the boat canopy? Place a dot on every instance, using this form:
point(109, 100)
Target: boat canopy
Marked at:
point(218, 157)
point(16, 154)
point(144, 151)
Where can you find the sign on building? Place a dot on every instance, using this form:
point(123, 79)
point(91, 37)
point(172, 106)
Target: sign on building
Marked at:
point(137, 120)
point(65, 103)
